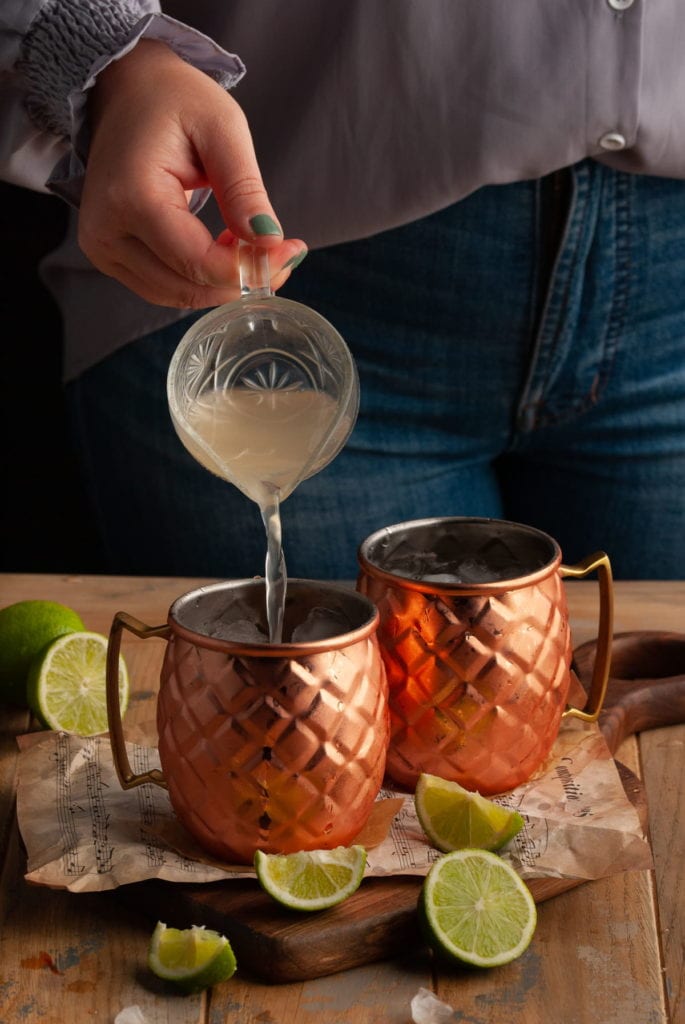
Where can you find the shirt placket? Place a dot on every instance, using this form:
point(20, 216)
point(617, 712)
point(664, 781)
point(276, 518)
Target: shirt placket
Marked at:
point(614, 73)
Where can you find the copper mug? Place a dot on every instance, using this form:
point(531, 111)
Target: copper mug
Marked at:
point(475, 638)
point(277, 747)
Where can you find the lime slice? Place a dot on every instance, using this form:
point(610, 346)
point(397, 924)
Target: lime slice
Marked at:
point(476, 909)
point(192, 958)
point(454, 818)
point(66, 686)
point(311, 879)
point(27, 627)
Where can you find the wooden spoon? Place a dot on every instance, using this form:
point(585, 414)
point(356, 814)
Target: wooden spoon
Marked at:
point(646, 687)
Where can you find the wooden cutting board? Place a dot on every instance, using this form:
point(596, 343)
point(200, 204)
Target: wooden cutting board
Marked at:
point(646, 690)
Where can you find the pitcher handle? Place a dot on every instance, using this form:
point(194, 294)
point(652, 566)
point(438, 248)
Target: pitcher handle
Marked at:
point(600, 672)
point(127, 777)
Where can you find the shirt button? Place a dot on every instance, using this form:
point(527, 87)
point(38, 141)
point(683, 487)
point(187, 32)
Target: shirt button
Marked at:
point(613, 140)
point(620, 5)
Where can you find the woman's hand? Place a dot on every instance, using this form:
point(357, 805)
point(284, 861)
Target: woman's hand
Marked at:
point(159, 129)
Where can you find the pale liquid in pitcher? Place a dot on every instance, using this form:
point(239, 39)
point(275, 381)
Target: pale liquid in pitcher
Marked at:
point(264, 441)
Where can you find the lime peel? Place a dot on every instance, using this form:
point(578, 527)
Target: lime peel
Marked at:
point(476, 909)
point(192, 959)
point(311, 879)
point(455, 818)
point(26, 628)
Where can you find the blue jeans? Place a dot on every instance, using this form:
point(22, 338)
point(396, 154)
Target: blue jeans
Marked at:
point(521, 356)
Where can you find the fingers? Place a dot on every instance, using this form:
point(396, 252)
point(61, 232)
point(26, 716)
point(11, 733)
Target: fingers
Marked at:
point(141, 270)
point(230, 163)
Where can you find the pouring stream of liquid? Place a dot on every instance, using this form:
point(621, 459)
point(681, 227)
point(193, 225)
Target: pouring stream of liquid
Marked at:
point(275, 571)
point(265, 429)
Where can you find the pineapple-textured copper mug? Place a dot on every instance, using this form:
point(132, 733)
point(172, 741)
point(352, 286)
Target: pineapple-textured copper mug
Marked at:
point(277, 747)
point(475, 638)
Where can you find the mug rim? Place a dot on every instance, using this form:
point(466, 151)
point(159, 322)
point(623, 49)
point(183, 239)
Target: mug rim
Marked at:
point(268, 650)
point(498, 586)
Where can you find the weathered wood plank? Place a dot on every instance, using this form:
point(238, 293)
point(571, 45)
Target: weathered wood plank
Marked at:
point(76, 958)
point(663, 758)
point(640, 604)
point(379, 993)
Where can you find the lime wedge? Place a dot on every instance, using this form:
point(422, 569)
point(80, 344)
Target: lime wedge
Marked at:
point(454, 818)
point(311, 879)
point(66, 686)
point(476, 909)
point(193, 959)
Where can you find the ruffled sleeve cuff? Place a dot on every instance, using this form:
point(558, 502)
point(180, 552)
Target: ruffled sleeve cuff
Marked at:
point(65, 178)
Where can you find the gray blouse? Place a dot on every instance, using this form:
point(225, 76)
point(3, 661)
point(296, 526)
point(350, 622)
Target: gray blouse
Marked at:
point(366, 114)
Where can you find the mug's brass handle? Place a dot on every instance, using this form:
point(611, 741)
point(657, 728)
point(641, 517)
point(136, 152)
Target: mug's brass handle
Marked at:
point(600, 672)
point(127, 777)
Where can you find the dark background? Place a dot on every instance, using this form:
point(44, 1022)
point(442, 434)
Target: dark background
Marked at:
point(44, 523)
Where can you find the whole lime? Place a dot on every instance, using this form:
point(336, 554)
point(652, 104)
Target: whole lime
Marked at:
point(25, 629)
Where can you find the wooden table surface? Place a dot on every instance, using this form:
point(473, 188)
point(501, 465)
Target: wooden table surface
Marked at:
point(607, 952)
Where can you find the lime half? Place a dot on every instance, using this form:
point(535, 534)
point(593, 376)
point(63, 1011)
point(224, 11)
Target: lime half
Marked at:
point(67, 684)
point(193, 959)
point(454, 818)
point(311, 879)
point(476, 909)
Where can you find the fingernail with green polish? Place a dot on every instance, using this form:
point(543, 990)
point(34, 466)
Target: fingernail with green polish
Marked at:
point(263, 224)
point(295, 260)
